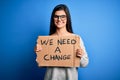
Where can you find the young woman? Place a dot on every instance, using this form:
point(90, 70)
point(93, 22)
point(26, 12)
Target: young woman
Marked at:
point(60, 25)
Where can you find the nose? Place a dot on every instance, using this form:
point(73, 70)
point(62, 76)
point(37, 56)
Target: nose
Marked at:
point(58, 17)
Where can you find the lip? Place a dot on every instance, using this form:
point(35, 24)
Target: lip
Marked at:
point(59, 23)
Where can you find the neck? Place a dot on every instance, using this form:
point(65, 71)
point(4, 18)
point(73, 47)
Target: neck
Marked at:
point(61, 32)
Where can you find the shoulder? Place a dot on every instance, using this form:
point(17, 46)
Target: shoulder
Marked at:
point(77, 35)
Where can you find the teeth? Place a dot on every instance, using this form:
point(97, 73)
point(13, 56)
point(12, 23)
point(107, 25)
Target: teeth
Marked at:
point(59, 23)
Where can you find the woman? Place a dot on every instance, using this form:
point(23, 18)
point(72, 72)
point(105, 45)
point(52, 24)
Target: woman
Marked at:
point(60, 25)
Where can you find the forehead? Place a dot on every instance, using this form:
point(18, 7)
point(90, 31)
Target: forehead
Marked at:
point(60, 12)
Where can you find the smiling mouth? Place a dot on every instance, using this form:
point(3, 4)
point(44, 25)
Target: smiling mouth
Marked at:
point(59, 23)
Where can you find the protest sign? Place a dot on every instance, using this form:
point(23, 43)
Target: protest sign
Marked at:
point(58, 51)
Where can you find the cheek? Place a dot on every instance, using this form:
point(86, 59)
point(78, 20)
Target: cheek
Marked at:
point(65, 21)
point(55, 22)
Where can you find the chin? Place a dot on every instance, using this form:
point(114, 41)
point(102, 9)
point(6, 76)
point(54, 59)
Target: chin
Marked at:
point(59, 27)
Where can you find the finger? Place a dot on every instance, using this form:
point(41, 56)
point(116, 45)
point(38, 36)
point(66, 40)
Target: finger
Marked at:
point(77, 51)
point(38, 48)
point(78, 55)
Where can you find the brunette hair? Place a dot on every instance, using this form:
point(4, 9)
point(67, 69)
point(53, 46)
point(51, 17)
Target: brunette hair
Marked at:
point(68, 24)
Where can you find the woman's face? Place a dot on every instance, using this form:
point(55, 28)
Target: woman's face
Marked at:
point(60, 19)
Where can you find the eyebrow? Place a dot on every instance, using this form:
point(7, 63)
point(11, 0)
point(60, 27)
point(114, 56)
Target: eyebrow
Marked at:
point(60, 15)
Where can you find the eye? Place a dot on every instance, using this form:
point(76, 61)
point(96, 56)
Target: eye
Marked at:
point(63, 16)
point(56, 16)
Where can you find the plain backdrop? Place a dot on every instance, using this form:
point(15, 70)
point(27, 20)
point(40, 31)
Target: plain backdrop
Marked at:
point(96, 21)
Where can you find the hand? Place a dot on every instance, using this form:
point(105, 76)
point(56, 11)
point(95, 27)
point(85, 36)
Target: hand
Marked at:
point(79, 53)
point(38, 48)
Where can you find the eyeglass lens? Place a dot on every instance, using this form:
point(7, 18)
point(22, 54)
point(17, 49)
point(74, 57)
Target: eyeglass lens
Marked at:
point(60, 16)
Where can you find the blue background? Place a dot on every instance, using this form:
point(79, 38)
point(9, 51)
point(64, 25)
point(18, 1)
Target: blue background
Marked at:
point(21, 21)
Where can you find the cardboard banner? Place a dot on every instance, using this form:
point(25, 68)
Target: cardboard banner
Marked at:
point(58, 51)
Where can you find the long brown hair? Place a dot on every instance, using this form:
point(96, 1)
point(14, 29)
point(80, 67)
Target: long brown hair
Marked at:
point(68, 24)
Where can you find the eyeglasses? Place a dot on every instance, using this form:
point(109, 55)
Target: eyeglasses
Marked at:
point(62, 17)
